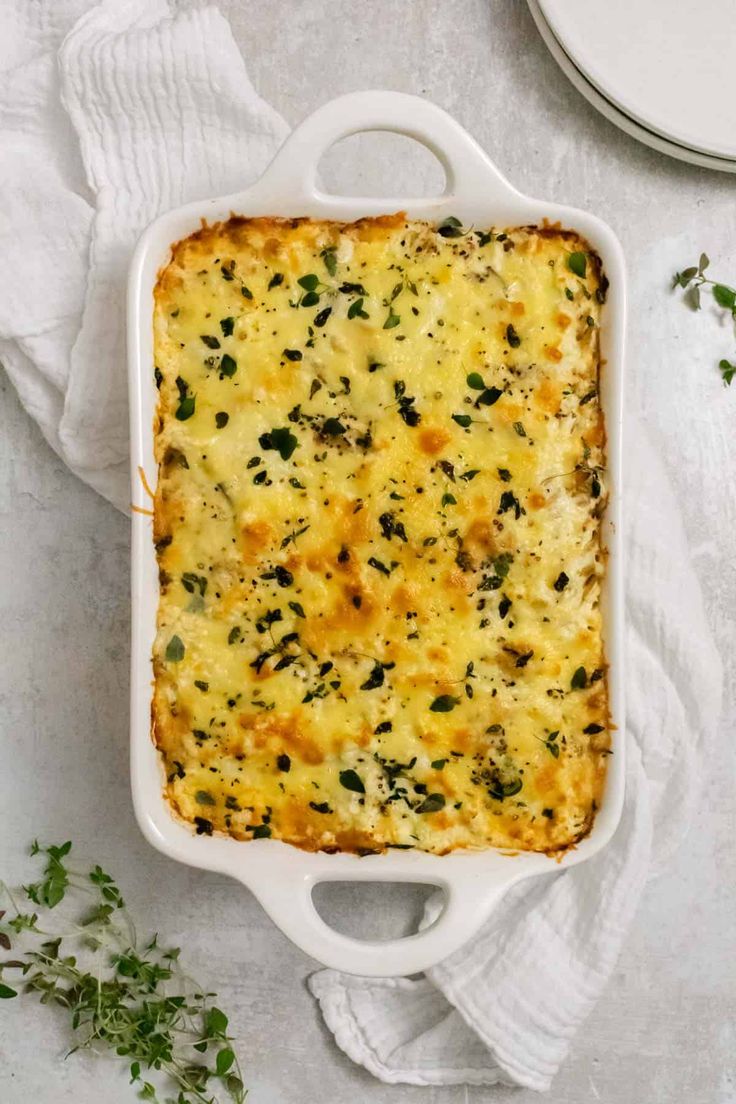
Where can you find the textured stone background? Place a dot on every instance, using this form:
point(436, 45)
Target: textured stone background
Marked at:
point(665, 1030)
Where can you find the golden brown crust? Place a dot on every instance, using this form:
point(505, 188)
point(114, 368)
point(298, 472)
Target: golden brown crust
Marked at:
point(377, 520)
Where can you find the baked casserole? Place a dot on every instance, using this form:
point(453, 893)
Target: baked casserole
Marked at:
point(381, 463)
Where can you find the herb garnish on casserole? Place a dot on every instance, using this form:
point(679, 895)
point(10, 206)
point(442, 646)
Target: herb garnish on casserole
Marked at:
point(381, 455)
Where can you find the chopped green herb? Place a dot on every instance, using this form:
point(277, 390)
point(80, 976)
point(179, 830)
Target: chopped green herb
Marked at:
point(321, 318)
point(192, 582)
point(376, 677)
point(407, 412)
point(561, 582)
point(309, 282)
point(432, 803)
point(390, 527)
point(227, 325)
point(475, 380)
point(438, 764)
point(221, 419)
point(551, 744)
point(509, 501)
point(210, 341)
point(519, 428)
point(450, 227)
point(463, 420)
point(578, 263)
point(504, 475)
point(185, 408)
point(297, 608)
point(448, 499)
point(186, 401)
point(445, 703)
point(355, 310)
point(512, 336)
point(328, 255)
point(293, 354)
point(392, 319)
point(291, 538)
point(333, 427)
point(502, 563)
point(490, 396)
point(282, 440)
point(276, 280)
point(282, 575)
point(501, 789)
point(378, 565)
point(228, 366)
point(579, 679)
point(351, 780)
point(175, 650)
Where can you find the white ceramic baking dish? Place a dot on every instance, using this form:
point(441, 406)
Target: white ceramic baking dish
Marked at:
point(281, 876)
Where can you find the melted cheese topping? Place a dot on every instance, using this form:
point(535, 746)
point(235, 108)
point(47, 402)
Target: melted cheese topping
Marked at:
point(377, 520)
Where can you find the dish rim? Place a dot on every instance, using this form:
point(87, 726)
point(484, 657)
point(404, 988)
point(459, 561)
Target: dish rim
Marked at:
point(616, 114)
point(281, 876)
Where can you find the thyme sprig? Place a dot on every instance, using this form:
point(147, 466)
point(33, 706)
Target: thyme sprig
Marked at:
point(122, 995)
point(692, 279)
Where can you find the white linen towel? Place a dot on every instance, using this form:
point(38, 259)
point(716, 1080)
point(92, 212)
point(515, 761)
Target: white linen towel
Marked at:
point(109, 116)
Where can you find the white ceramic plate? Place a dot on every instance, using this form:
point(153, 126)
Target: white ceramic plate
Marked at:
point(608, 109)
point(670, 66)
point(282, 877)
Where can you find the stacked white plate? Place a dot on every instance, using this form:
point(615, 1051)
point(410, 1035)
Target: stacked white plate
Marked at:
point(664, 71)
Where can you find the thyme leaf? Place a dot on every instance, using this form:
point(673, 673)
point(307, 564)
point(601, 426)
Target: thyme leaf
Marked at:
point(691, 280)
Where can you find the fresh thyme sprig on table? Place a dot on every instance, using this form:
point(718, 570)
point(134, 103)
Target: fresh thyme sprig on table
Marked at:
point(692, 279)
point(134, 1000)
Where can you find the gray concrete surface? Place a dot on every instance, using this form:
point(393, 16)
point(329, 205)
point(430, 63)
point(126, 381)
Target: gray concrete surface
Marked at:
point(665, 1033)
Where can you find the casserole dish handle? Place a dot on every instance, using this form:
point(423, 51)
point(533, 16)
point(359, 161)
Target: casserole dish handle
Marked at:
point(469, 899)
point(292, 175)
